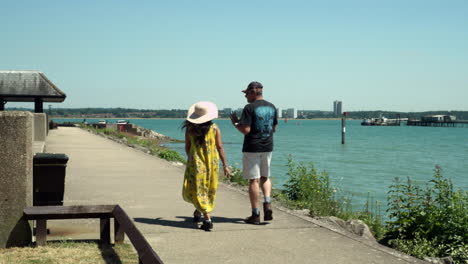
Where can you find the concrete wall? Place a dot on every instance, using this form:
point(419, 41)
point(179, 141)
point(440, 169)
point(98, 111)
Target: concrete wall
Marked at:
point(40, 126)
point(16, 160)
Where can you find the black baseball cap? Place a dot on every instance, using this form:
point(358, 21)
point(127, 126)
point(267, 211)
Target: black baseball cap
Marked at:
point(253, 85)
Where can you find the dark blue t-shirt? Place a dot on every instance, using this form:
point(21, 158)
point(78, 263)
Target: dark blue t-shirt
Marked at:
point(261, 116)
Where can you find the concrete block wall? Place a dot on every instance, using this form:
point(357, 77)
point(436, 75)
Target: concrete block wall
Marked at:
point(16, 164)
point(40, 126)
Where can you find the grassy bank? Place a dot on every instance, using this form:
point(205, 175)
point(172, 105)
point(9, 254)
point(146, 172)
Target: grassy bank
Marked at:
point(69, 252)
point(152, 145)
point(424, 221)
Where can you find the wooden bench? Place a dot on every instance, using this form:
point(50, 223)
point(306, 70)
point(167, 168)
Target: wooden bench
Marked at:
point(122, 225)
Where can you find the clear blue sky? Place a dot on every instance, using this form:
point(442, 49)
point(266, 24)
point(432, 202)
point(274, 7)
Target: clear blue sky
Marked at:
point(398, 55)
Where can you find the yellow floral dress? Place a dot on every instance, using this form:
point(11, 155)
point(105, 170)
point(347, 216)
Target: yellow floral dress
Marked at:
point(201, 173)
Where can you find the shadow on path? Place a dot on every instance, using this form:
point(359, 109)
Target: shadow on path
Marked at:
point(186, 222)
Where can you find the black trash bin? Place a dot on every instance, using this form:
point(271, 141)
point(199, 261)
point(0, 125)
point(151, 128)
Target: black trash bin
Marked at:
point(49, 178)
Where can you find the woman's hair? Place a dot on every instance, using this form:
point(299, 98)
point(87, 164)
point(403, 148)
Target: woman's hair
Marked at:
point(197, 130)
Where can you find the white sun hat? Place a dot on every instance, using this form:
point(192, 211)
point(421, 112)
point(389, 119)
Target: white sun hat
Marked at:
point(202, 112)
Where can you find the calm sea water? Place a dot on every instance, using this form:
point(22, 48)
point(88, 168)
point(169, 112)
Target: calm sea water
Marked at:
point(369, 161)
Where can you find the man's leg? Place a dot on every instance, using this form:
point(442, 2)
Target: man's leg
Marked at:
point(265, 183)
point(250, 162)
point(266, 186)
point(254, 193)
point(266, 189)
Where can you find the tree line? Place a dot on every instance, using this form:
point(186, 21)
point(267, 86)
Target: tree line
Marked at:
point(181, 113)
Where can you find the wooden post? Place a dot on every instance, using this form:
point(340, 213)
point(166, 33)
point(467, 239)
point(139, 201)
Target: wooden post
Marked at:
point(119, 234)
point(41, 232)
point(38, 107)
point(343, 127)
point(105, 231)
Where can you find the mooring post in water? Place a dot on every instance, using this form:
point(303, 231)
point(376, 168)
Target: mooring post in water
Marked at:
point(343, 127)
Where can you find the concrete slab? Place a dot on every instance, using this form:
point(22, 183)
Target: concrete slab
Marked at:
point(38, 147)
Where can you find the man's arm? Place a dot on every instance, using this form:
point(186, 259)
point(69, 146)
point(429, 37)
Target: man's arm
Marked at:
point(244, 129)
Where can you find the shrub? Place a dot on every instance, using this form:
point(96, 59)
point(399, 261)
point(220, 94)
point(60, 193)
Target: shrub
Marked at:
point(107, 131)
point(372, 216)
point(306, 188)
point(120, 135)
point(171, 155)
point(434, 215)
point(236, 176)
point(311, 190)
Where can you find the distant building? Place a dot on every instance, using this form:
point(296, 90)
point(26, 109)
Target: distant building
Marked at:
point(280, 112)
point(225, 112)
point(337, 108)
point(301, 114)
point(310, 114)
point(291, 113)
point(438, 118)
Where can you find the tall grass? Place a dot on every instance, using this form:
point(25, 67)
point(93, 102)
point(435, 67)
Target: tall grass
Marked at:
point(235, 177)
point(312, 190)
point(307, 188)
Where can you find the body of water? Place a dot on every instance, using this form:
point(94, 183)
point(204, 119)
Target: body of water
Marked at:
point(369, 161)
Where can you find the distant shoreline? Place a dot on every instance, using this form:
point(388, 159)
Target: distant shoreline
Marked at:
point(167, 118)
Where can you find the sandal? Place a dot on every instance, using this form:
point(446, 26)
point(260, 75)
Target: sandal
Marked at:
point(207, 225)
point(196, 216)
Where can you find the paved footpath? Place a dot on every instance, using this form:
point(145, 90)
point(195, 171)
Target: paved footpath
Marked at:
point(101, 171)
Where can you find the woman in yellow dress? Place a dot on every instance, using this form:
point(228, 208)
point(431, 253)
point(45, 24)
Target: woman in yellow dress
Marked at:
point(204, 148)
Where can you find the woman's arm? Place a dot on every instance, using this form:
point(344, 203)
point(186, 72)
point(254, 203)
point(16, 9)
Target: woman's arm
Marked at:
point(222, 155)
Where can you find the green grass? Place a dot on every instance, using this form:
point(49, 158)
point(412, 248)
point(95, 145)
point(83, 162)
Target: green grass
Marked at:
point(235, 177)
point(69, 252)
point(153, 145)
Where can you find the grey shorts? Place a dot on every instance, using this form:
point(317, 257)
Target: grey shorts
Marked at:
point(256, 164)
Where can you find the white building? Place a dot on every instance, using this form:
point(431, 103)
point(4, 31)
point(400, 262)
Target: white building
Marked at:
point(438, 118)
point(280, 112)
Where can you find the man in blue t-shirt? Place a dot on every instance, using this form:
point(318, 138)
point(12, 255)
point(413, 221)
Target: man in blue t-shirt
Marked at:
point(258, 123)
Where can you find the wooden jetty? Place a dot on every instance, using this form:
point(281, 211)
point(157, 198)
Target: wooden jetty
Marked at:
point(438, 121)
point(454, 123)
